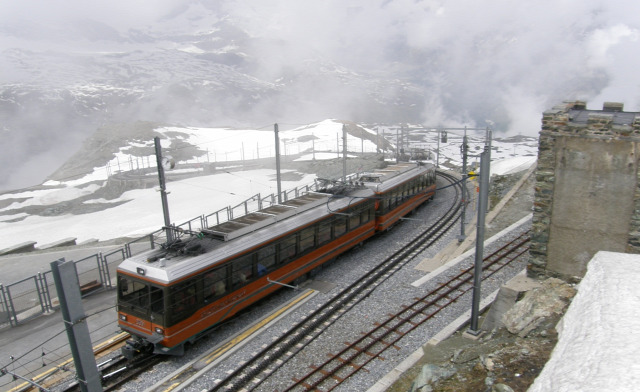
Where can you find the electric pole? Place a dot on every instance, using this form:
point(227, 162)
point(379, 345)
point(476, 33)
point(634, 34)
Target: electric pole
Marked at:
point(163, 189)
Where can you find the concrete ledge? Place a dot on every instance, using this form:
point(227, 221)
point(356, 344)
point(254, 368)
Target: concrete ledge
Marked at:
point(24, 247)
point(63, 242)
point(89, 241)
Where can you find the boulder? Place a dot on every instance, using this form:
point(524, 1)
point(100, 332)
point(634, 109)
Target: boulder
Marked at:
point(538, 305)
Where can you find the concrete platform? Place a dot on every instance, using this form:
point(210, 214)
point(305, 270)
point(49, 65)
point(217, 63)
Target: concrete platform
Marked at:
point(71, 241)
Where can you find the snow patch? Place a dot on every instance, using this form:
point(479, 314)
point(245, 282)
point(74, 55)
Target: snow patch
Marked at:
point(598, 340)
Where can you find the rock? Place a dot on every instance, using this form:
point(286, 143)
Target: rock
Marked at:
point(501, 388)
point(537, 306)
point(487, 363)
point(430, 374)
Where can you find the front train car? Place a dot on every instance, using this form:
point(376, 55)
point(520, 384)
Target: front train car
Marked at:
point(173, 294)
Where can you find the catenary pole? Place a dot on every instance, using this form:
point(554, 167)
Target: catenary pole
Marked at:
point(465, 192)
point(482, 211)
point(65, 277)
point(163, 189)
point(344, 153)
point(275, 130)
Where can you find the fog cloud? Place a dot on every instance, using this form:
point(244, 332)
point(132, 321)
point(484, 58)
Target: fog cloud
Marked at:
point(499, 59)
point(438, 62)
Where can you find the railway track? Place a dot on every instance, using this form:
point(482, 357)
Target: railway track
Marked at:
point(118, 370)
point(356, 355)
point(53, 376)
point(252, 373)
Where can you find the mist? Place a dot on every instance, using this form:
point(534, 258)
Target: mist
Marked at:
point(69, 67)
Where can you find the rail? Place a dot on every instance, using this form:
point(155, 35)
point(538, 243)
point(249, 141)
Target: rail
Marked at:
point(251, 373)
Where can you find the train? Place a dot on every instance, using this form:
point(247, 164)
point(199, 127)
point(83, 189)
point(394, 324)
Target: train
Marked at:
point(173, 295)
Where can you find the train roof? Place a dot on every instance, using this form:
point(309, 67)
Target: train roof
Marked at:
point(240, 236)
point(381, 180)
point(221, 241)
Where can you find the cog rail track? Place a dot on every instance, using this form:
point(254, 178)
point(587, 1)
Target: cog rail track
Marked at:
point(372, 344)
point(119, 370)
point(253, 372)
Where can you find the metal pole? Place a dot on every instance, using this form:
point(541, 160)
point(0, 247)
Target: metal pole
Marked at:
point(438, 151)
point(488, 146)
point(477, 270)
point(397, 146)
point(66, 280)
point(344, 153)
point(163, 190)
point(275, 130)
point(464, 186)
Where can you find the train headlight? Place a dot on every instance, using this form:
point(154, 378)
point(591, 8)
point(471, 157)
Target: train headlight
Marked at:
point(159, 330)
point(123, 317)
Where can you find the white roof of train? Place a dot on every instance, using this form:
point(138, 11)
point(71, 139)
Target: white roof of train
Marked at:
point(382, 180)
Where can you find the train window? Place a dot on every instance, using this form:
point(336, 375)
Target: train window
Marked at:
point(132, 292)
point(354, 220)
point(365, 216)
point(287, 249)
point(307, 239)
point(396, 198)
point(214, 284)
point(266, 259)
point(182, 301)
point(242, 271)
point(324, 233)
point(340, 226)
point(157, 300)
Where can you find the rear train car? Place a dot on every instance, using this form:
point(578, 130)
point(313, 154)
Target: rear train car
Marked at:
point(172, 295)
point(398, 195)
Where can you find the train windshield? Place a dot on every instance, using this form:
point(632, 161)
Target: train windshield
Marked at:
point(139, 297)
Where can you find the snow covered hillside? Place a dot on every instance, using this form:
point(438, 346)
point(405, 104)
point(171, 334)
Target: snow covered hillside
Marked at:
point(109, 189)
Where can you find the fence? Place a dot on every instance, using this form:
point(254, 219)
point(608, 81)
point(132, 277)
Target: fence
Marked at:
point(31, 297)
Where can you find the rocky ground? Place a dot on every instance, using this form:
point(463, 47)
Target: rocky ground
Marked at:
point(510, 357)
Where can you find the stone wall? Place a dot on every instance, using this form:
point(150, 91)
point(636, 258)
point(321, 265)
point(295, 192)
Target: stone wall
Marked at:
point(587, 196)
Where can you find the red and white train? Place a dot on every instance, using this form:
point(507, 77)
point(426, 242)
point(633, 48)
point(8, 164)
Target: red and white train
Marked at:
point(173, 295)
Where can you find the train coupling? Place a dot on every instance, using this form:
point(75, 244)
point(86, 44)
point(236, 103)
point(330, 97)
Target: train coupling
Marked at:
point(131, 348)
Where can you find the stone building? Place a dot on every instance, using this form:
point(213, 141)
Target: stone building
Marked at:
point(587, 193)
